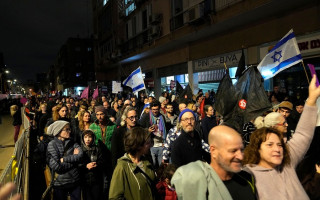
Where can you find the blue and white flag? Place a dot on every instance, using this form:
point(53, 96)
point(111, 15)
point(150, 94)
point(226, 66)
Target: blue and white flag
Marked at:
point(283, 55)
point(135, 81)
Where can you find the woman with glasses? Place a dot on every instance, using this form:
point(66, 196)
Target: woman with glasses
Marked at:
point(63, 158)
point(272, 161)
point(129, 120)
point(273, 120)
point(134, 177)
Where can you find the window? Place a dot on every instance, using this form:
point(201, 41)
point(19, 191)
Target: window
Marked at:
point(169, 78)
point(89, 49)
point(105, 2)
point(130, 6)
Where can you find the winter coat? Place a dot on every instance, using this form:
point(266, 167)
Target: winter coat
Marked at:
point(67, 171)
point(17, 120)
point(94, 175)
point(130, 182)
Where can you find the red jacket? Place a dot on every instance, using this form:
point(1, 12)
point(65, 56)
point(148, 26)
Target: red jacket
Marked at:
point(164, 192)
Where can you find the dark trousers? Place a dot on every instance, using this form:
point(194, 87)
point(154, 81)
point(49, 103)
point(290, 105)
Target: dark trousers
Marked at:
point(93, 192)
point(62, 193)
point(16, 132)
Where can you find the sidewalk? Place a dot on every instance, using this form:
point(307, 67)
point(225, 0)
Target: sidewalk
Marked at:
point(6, 141)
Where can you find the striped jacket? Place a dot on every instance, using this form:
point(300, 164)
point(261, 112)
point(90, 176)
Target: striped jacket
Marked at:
point(67, 170)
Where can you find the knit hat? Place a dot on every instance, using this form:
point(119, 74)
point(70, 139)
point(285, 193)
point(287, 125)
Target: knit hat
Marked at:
point(286, 104)
point(162, 99)
point(99, 109)
point(184, 111)
point(55, 128)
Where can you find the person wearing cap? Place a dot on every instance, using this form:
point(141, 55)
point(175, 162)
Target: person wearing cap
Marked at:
point(285, 109)
point(187, 147)
point(91, 167)
point(63, 157)
point(102, 127)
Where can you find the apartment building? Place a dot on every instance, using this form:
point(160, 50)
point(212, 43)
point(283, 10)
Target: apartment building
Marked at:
point(191, 41)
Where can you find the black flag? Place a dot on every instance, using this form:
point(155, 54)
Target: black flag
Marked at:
point(249, 99)
point(241, 66)
point(179, 88)
point(186, 95)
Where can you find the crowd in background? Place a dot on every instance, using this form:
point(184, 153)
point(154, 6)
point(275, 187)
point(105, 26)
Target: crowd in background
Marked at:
point(124, 146)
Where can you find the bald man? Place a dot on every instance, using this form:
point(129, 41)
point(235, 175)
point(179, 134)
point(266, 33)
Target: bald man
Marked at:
point(223, 178)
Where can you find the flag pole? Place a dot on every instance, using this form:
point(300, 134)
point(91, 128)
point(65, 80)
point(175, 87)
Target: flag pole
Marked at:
point(305, 72)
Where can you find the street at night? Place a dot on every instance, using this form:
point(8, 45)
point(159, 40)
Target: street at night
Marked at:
point(150, 99)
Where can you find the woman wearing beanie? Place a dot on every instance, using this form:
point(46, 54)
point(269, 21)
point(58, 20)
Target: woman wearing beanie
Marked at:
point(63, 157)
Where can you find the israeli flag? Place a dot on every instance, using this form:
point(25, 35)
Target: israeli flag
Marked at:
point(283, 55)
point(135, 81)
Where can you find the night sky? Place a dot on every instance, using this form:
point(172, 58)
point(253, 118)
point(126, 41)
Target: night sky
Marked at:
point(32, 32)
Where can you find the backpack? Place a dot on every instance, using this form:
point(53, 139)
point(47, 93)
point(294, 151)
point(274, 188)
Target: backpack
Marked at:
point(39, 156)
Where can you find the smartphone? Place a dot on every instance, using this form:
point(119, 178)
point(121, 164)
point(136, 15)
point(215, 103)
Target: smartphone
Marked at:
point(313, 71)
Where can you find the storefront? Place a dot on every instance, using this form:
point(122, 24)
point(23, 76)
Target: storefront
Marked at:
point(211, 70)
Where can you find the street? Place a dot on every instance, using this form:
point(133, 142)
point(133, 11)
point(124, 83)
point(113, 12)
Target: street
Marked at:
point(6, 142)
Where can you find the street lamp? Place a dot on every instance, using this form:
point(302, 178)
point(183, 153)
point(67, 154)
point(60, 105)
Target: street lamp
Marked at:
point(7, 71)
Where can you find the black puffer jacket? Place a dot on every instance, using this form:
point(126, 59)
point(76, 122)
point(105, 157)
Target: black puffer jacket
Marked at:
point(95, 175)
point(67, 171)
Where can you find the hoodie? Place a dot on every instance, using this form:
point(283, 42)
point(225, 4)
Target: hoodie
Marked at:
point(95, 175)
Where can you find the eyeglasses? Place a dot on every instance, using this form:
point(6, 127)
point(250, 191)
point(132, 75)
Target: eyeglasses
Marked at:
point(133, 117)
point(67, 129)
point(282, 124)
point(192, 119)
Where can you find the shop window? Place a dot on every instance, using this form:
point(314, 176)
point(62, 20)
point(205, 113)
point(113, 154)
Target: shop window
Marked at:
point(169, 78)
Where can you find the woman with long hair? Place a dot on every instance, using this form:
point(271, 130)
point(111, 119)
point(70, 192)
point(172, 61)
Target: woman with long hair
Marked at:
point(267, 156)
point(17, 120)
point(59, 112)
point(84, 120)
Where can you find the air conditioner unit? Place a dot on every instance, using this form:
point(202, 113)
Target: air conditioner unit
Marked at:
point(195, 13)
point(155, 18)
point(154, 30)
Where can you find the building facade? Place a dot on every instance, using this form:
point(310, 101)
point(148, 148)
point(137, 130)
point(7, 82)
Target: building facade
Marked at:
point(74, 67)
point(193, 40)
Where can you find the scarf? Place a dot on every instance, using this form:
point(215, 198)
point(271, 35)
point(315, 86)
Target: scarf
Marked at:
point(161, 127)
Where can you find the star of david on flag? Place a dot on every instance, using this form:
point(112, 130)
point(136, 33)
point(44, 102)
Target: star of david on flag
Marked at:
point(135, 81)
point(283, 55)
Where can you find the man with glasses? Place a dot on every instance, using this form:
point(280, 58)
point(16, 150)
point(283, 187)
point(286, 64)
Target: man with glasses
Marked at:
point(156, 124)
point(187, 147)
point(129, 120)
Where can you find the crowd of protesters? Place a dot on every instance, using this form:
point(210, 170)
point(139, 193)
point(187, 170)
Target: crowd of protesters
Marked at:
point(128, 147)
